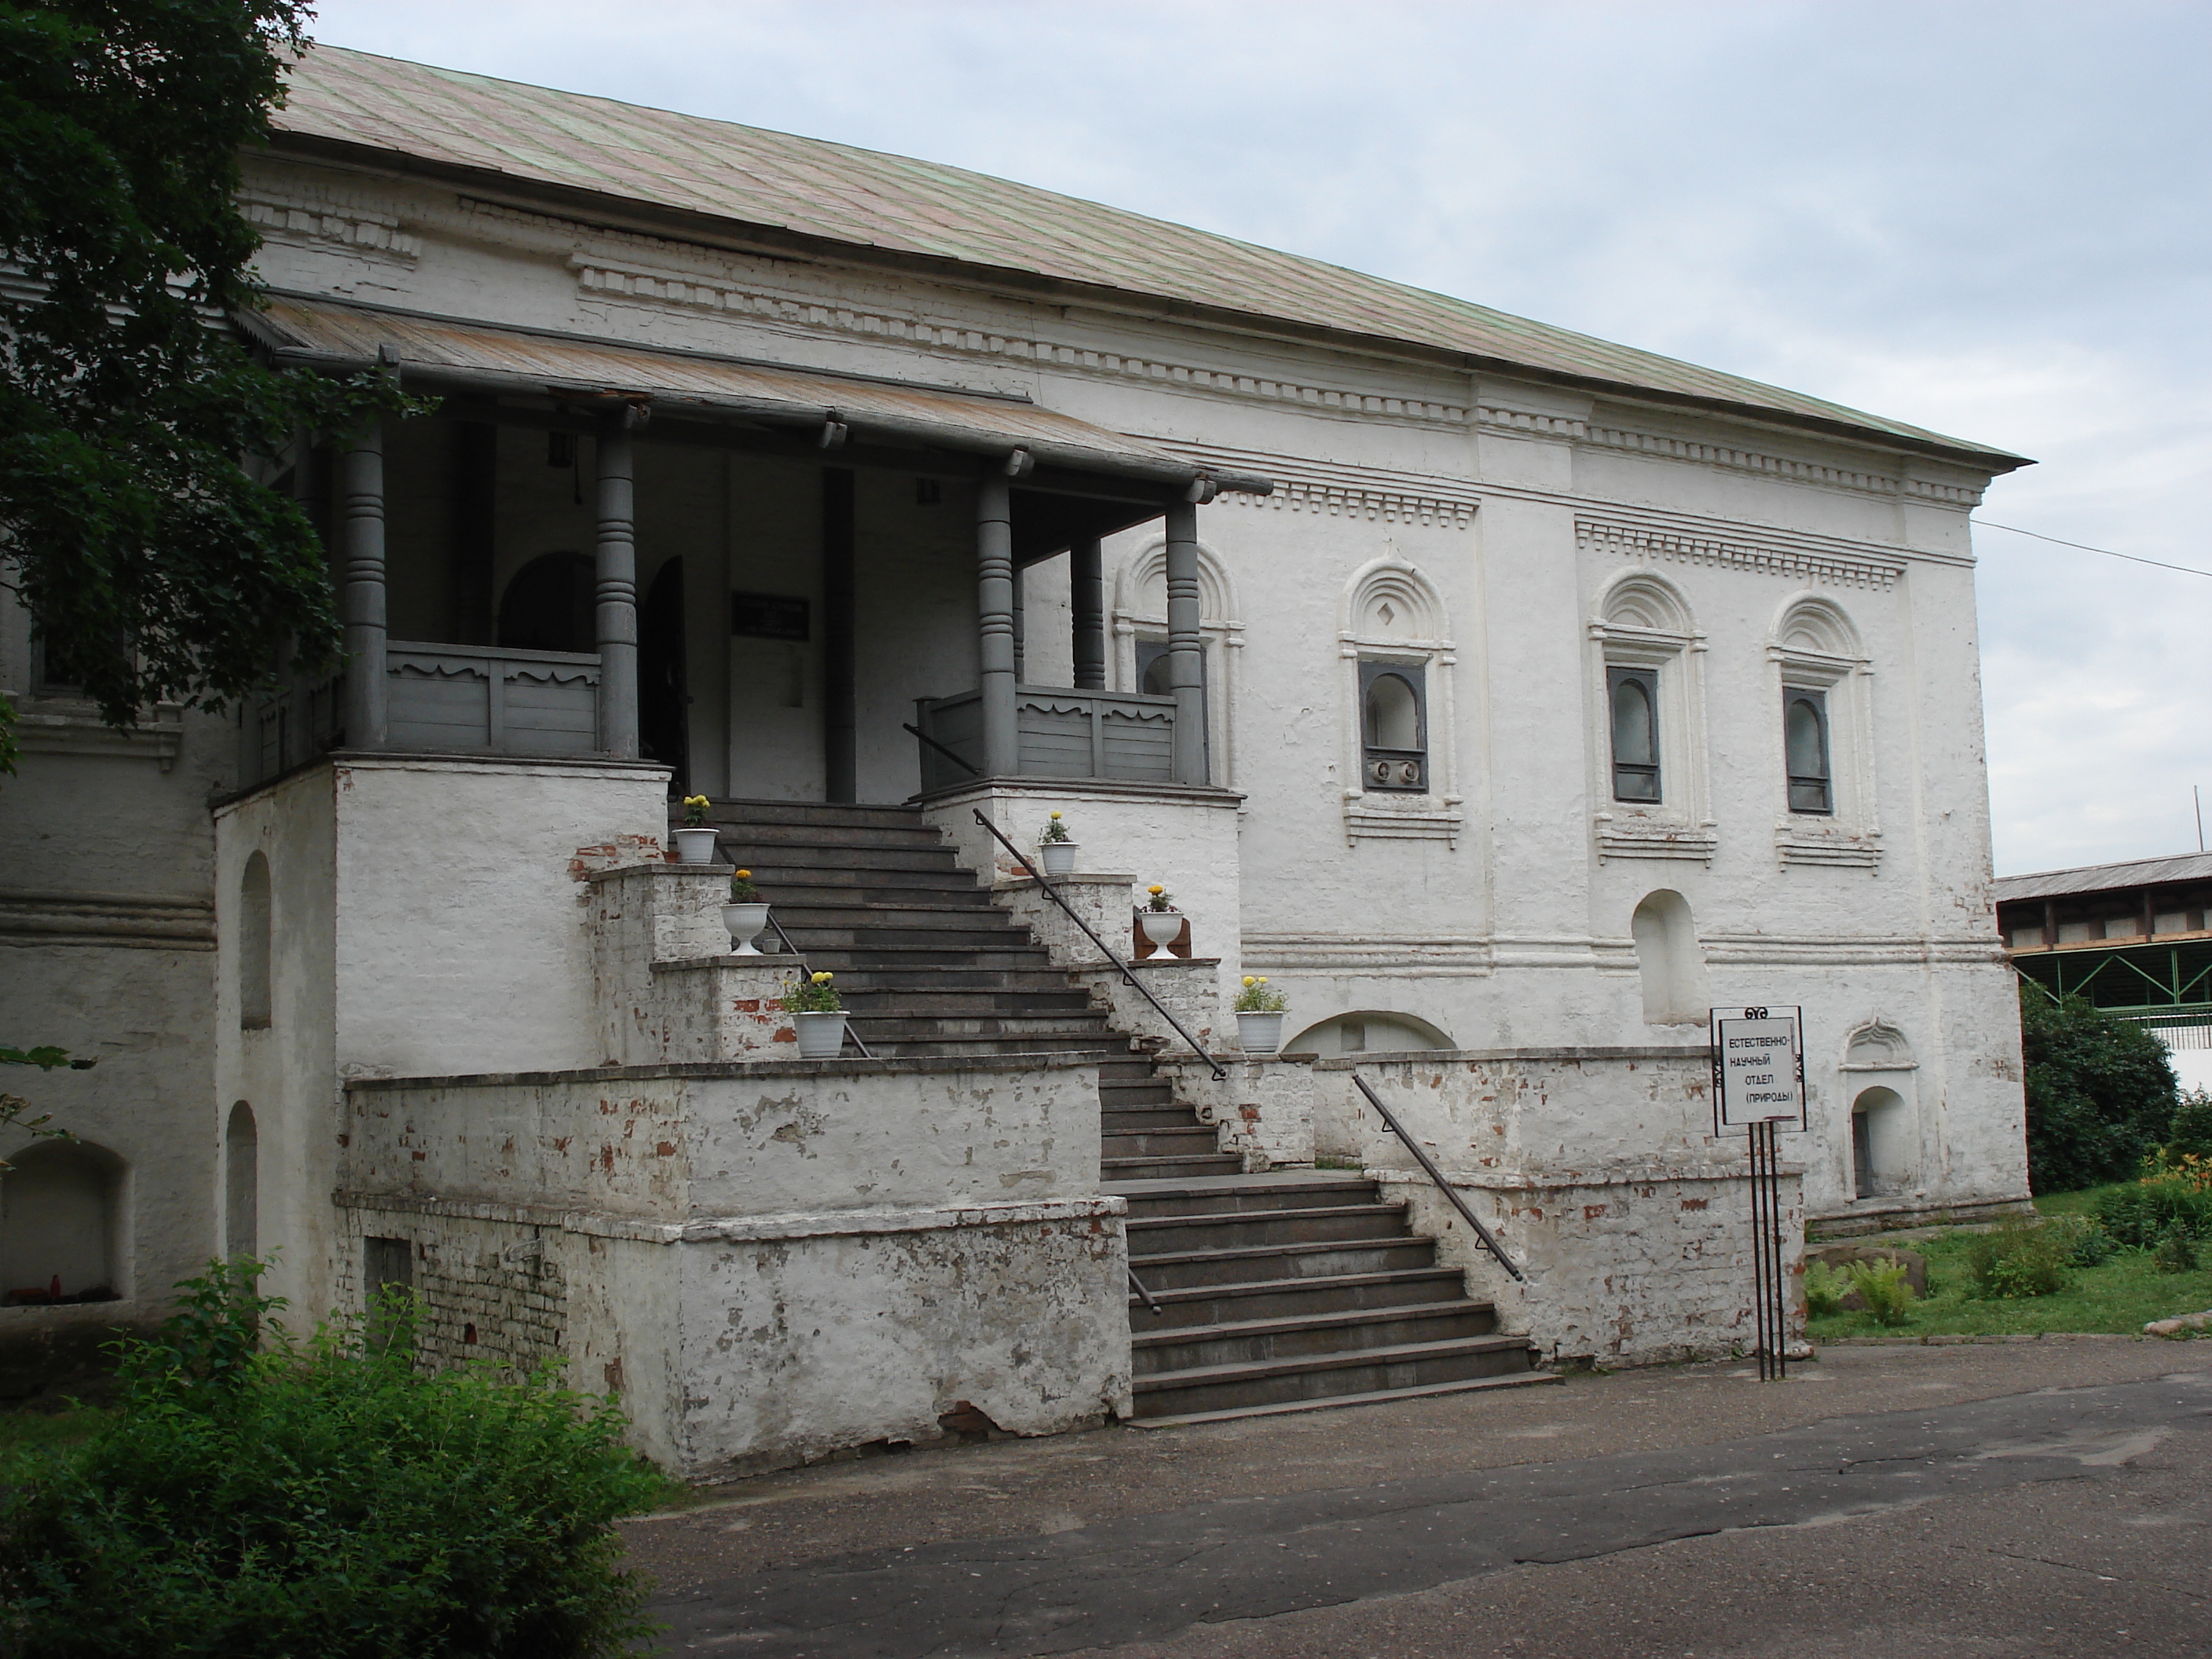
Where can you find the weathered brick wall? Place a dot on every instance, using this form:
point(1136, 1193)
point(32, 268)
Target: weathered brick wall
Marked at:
point(486, 1289)
point(1264, 1108)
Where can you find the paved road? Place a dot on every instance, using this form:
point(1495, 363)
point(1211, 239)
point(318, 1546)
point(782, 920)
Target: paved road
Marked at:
point(2028, 1500)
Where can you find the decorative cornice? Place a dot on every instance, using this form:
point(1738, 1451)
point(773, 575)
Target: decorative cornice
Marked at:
point(1370, 956)
point(1795, 471)
point(159, 739)
point(1768, 557)
point(117, 921)
point(1376, 494)
point(348, 224)
point(635, 282)
point(1796, 846)
point(1697, 845)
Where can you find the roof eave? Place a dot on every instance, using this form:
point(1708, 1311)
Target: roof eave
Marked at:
point(745, 235)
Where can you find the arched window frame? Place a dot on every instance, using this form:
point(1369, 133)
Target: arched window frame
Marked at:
point(1393, 616)
point(1641, 622)
point(1139, 612)
point(1814, 646)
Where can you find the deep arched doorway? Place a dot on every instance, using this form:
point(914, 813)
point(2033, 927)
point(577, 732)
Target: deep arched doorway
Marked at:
point(550, 605)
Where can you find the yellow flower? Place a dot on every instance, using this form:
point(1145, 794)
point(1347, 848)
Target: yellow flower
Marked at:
point(745, 875)
point(1263, 979)
point(1156, 888)
point(1249, 980)
point(1056, 814)
point(822, 979)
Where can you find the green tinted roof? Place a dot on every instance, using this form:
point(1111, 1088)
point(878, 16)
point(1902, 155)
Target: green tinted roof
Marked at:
point(532, 137)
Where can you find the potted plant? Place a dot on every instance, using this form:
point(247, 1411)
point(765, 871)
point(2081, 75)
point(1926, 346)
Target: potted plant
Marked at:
point(1159, 918)
point(1260, 1016)
point(746, 914)
point(1058, 847)
point(816, 1009)
point(695, 842)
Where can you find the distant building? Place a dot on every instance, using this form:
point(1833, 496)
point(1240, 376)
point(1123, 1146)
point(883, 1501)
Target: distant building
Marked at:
point(2135, 939)
point(1507, 697)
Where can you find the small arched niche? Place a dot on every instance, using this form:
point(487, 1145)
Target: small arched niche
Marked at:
point(60, 1224)
point(1366, 1031)
point(241, 1181)
point(254, 1001)
point(1669, 960)
point(1880, 1152)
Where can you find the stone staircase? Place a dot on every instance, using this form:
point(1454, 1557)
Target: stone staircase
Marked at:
point(1277, 1293)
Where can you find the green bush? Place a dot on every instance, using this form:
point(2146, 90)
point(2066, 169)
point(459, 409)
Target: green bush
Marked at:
point(2175, 1253)
point(2191, 1131)
point(253, 1495)
point(1883, 1286)
point(2100, 1092)
point(2140, 1214)
point(2093, 1246)
point(2018, 1258)
point(1825, 1290)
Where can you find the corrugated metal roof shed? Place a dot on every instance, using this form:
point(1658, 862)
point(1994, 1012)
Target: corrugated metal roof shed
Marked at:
point(2107, 878)
point(472, 124)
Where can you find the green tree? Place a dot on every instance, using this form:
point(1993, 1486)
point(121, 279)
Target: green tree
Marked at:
point(154, 568)
point(2100, 1092)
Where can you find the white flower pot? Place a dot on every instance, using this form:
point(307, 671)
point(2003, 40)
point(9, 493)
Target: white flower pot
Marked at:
point(1259, 1033)
point(1160, 927)
point(821, 1036)
point(1059, 859)
point(696, 846)
point(747, 922)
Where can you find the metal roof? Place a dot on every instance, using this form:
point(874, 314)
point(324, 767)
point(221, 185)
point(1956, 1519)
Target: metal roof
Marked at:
point(2107, 878)
point(472, 126)
point(461, 353)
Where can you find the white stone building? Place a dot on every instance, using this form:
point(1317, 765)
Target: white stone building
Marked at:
point(1507, 697)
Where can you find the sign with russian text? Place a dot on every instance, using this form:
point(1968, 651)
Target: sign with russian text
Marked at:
point(1759, 1068)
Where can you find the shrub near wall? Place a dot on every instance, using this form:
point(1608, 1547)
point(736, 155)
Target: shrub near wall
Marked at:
point(2100, 1093)
point(322, 1499)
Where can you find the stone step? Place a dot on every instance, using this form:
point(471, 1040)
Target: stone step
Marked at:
point(1022, 1030)
point(1252, 1195)
point(993, 956)
point(958, 982)
point(1241, 1229)
point(1184, 1139)
point(898, 915)
point(1157, 1169)
point(1149, 1121)
point(798, 883)
point(1253, 1264)
point(740, 810)
point(1274, 1298)
point(805, 862)
point(944, 937)
point(1060, 1049)
point(1193, 1347)
point(1326, 1402)
point(957, 1004)
point(1133, 1072)
point(760, 840)
point(866, 896)
point(1277, 1382)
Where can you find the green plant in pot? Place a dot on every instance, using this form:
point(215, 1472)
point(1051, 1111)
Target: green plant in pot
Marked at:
point(818, 1013)
point(1058, 847)
point(745, 916)
point(1162, 922)
point(1259, 1009)
point(695, 840)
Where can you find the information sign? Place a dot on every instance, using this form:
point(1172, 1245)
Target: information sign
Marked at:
point(1759, 1068)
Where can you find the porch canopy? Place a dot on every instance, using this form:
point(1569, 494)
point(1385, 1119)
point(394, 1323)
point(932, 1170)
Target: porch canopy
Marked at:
point(1076, 482)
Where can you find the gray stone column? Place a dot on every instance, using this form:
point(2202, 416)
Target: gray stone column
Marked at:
point(1086, 593)
point(1186, 646)
point(616, 589)
point(994, 608)
point(361, 541)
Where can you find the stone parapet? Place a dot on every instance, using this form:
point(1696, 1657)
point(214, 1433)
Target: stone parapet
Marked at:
point(646, 917)
point(1264, 1108)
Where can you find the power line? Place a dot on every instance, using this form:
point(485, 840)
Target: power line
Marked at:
point(2132, 558)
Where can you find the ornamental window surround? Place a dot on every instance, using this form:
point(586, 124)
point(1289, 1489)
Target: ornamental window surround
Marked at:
point(1396, 656)
point(1823, 686)
point(1648, 769)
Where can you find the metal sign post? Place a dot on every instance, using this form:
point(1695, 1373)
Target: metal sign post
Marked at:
point(1759, 1091)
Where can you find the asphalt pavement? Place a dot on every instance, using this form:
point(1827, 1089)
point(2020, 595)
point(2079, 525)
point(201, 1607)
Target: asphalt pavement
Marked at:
point(2036, 1498)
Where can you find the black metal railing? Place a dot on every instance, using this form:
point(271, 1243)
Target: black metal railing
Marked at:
point(1438, 1176)
point(957, 758)
point(1220, 1075)
point(1143, 1295)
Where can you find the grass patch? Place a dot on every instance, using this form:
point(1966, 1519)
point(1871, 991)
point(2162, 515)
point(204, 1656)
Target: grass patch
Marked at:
point(2121, 1295)
point(25, 1436)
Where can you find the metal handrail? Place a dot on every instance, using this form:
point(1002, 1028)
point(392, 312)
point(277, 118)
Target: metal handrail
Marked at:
point(958, 760)
point(1438, 1176)
point(1143, 1295)
point(792, 950)
point(1220, 1075)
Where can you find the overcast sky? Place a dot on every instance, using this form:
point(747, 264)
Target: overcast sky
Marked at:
point(1991, 220)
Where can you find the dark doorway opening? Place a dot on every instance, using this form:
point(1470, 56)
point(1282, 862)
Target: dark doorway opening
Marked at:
point(663, 699)
point(550, 605)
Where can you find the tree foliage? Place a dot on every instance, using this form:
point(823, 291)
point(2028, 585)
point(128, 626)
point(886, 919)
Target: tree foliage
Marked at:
point(2100, 1092)
point(154, 568)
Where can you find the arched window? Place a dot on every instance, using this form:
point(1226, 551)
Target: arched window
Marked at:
point(1394, 640)
point(1394, 726)
point(241, 1180)
point(1668, 958)
point(550, 605)
point(1635, 734)
point(1805, 745)
point(1140, 625)
point(1649, 788)
point(254, 1005)
point(60, 1211)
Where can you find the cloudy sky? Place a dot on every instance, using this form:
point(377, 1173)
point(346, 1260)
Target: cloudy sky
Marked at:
point(1991, 220)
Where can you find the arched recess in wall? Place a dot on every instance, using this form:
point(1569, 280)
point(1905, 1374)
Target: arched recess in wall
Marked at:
point(1881, 1143)
point(1823, 686)
point(1367, 1031)
point(61, 1223)
point(241, 1181)
point(255, 1006)
point(1646, 697)
point(1396, 662)
point(1883, 1140)
point(550, 604)
point(1140, 625)
point(1669, 961)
